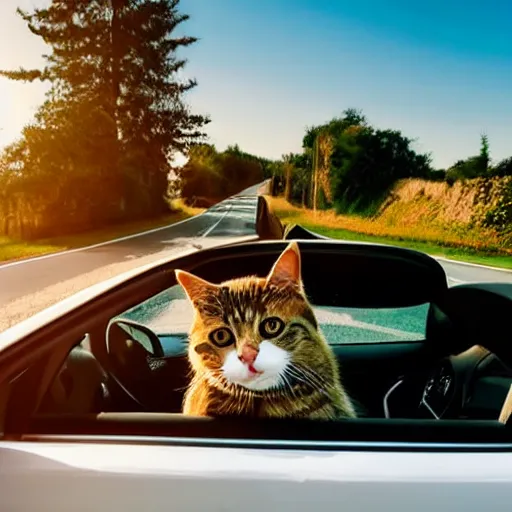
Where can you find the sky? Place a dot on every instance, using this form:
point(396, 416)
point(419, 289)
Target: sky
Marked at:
point(440, 71)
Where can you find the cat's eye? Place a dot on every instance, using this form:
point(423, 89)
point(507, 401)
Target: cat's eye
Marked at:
point(222, 337)
point(271, 327)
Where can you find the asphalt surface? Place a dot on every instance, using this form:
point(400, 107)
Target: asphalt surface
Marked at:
point(234, 217)
point(460, 273)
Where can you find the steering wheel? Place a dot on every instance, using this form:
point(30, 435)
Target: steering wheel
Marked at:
point(138, 364)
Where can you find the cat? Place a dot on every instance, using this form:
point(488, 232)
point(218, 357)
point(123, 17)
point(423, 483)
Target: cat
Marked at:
point(255, 348)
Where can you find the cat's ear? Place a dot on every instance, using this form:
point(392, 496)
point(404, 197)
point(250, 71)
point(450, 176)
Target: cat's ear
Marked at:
point(195, 287)
point(287, 269)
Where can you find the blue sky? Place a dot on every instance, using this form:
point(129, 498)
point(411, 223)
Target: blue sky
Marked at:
point(439, 71)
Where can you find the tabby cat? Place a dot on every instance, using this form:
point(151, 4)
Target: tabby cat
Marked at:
point(255, 348)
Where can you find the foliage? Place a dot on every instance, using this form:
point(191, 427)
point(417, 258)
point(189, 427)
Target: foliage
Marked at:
point(498, 214)
point(502, 168)
point(484, 153)
point(434, 238)
point(472, 167)
point(363, 164)
point(99, 148)
point(214, 175)
point(301, 164)
point(288, 168)
point(352, 118)
point(266, 164)
point(365, 161)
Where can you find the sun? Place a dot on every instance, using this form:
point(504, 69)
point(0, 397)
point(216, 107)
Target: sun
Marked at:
point(179, 160)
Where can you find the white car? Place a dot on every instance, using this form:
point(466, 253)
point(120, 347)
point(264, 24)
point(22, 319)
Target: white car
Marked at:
point(88, 425)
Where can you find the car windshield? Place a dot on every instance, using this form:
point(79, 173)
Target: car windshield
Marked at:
point(169, 314)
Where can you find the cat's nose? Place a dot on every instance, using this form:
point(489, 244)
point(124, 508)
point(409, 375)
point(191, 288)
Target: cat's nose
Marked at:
point(248, 354)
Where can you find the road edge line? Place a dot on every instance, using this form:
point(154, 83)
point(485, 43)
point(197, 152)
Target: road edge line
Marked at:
point(468, 264)
point(93, 246)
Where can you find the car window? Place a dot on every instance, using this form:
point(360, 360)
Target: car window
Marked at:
point(169, 314)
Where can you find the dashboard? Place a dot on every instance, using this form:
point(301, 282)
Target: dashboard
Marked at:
point(439, 390)
point(471, 385)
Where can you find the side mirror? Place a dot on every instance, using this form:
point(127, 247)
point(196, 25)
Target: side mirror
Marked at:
point(124, 335)
point(268, 225)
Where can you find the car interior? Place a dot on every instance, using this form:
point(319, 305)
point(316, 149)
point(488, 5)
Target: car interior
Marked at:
point(96, 372)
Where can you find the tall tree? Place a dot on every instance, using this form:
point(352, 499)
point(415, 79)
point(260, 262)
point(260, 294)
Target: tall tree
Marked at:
point(325, 151)
point(154, 119)
point(115, 93)
point(484, 153)
point(288, 168)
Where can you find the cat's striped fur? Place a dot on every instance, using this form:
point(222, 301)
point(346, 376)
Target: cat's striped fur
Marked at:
point(255, 348)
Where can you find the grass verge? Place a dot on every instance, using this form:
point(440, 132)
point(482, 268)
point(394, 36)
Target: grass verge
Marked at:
point(467, 246)
point(12, 249)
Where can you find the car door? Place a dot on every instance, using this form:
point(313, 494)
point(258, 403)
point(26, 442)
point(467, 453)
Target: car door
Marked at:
point(112, 475)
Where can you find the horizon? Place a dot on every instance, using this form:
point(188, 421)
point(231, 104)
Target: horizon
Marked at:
point(267, 70)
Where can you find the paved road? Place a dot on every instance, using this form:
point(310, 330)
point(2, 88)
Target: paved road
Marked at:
point(459, 273)
point(234, 217)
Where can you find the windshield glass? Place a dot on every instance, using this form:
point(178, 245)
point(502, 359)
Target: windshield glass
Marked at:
point(169, 314)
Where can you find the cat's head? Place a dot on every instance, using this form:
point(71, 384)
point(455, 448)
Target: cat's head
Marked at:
point(254, 332)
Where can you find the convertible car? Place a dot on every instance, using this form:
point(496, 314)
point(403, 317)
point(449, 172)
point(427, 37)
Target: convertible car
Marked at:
point(91, 392)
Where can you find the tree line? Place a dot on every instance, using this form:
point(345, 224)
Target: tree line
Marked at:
point(349, 165)
point(210, 176)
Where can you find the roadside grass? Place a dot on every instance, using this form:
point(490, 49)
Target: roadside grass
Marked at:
point(12, 249)
point(455, 242)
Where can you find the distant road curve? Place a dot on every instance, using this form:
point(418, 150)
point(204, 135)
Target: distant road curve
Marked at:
point(234, 217)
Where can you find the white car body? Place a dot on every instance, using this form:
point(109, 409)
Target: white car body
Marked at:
point(46, 476)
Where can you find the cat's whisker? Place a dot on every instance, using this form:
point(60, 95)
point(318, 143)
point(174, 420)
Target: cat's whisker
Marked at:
point(288, 384)
point(283, 383)
point(310, 372)
point(303, 379)
point(316, 377)
point(287, 393)
point(301, 375)
point(315, 380)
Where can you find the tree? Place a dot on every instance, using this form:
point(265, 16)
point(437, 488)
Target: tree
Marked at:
point(358, 163)
point(502, 168)
point(484, 154)
point(352, 118)
point(473, 167)
point(113, 66)
point(288, 172)
point(211, 175)
point(153, 117)
point(378, 159)
point(325, 146)
point(265, 163)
